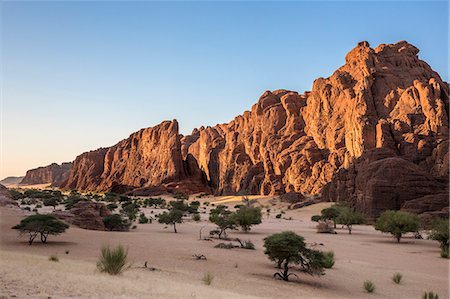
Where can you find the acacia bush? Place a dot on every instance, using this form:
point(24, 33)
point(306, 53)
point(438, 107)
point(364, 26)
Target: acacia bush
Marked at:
point(172, 217)
point(316, 218)
point(43, 225)
point(142, 218)
point(348, 217)
point(113, 260)
point(440, 232)
point(246, 217)
point(223, 218)
point(289, 248)
point(397, 223)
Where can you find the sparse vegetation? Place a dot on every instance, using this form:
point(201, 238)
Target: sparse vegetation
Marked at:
point(207, 278)
point(222, 217)
point(430, 295)
point(196, 217)
point(113, 260)
point(143, 218)
point(172, 217)
point(440, 232)
point(43, 225)
point(331, 213)
point(247, 216)
point(328, 259)
point(289, 248)
point(397, 223)
point(397, 278)
point(53, 258)
point(316, 218)
point(349, 217)
point(115, 222)
point(369, 286)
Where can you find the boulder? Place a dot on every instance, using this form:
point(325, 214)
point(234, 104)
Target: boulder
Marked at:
point(85, 214)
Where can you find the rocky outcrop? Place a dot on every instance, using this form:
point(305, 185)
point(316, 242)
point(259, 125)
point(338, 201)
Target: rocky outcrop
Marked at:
point(11, 181)
point(84, 214)
point(381, 98)
point(53, 174)
point(373, 134)
point(5, 197)
point(147, 162)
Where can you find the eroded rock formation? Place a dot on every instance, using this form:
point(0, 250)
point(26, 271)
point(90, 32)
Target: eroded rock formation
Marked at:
point(149, 161)
point(5, 197)
point(373, 134)
point(53, 174)
point(84, 214)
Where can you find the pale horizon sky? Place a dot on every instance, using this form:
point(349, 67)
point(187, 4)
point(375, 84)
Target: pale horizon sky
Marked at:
point(76, 76)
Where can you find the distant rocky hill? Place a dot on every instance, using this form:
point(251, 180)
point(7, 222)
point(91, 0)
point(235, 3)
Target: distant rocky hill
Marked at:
point(374, 134)
point(11, 180)
point(53, 174)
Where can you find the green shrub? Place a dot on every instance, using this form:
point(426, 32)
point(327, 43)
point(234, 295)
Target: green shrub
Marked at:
point(53, 258)
point(316, 218)
point(278, 216)
point(397, 278)
point(143, 218)
point(331, 213)
point(113, 260)
point(369, 286)
point(430, 295)
point(349, 217)
point(38, 206)
point(328, 259)
point(172, 217)
point(397, 223)
point(246, 217)
point(440, 232)
point(115, 222)
point(111, 206)
point(207, 278)
point(196, 217)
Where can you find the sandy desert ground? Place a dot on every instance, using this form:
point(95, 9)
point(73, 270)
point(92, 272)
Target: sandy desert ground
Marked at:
point(25, 271)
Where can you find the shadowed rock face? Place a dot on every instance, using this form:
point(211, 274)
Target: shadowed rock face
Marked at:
point(374, 134)
point(53, 174)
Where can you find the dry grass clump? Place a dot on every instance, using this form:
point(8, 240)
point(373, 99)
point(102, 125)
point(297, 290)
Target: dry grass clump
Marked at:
point(113, 260)
point(53, 258)
point(369, 286)
point(207, 278)
point(397, 278)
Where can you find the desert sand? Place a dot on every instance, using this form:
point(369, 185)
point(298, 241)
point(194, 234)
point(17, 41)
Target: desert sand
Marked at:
point(238, 273)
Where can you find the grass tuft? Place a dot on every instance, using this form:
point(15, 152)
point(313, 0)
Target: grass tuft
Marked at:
point(430, 295)
point(207, 278)
point(369, 286)
point(113, 260)
point(397, 278)
point(53, 258)
point(328, 261)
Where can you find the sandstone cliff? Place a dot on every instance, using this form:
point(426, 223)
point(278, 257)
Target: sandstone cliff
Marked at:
point(149, 160)
point(53, 174)
point(373, 134)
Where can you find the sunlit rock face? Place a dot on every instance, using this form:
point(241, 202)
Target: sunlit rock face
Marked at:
point(53, 174)
point(373, 134)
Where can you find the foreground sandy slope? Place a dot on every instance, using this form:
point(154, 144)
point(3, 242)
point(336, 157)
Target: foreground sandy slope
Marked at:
point(364, 255)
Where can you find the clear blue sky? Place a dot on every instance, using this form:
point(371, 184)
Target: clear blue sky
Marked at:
point(80, 75)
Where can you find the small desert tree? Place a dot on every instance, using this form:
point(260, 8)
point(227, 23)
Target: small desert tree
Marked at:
point(43, 225)
point(440, 232)
point(289, 248)
point(172, 217)
point(331, 213)
point(348, 218)
point(223, 218)
point(397, 223)
point(246, 216)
